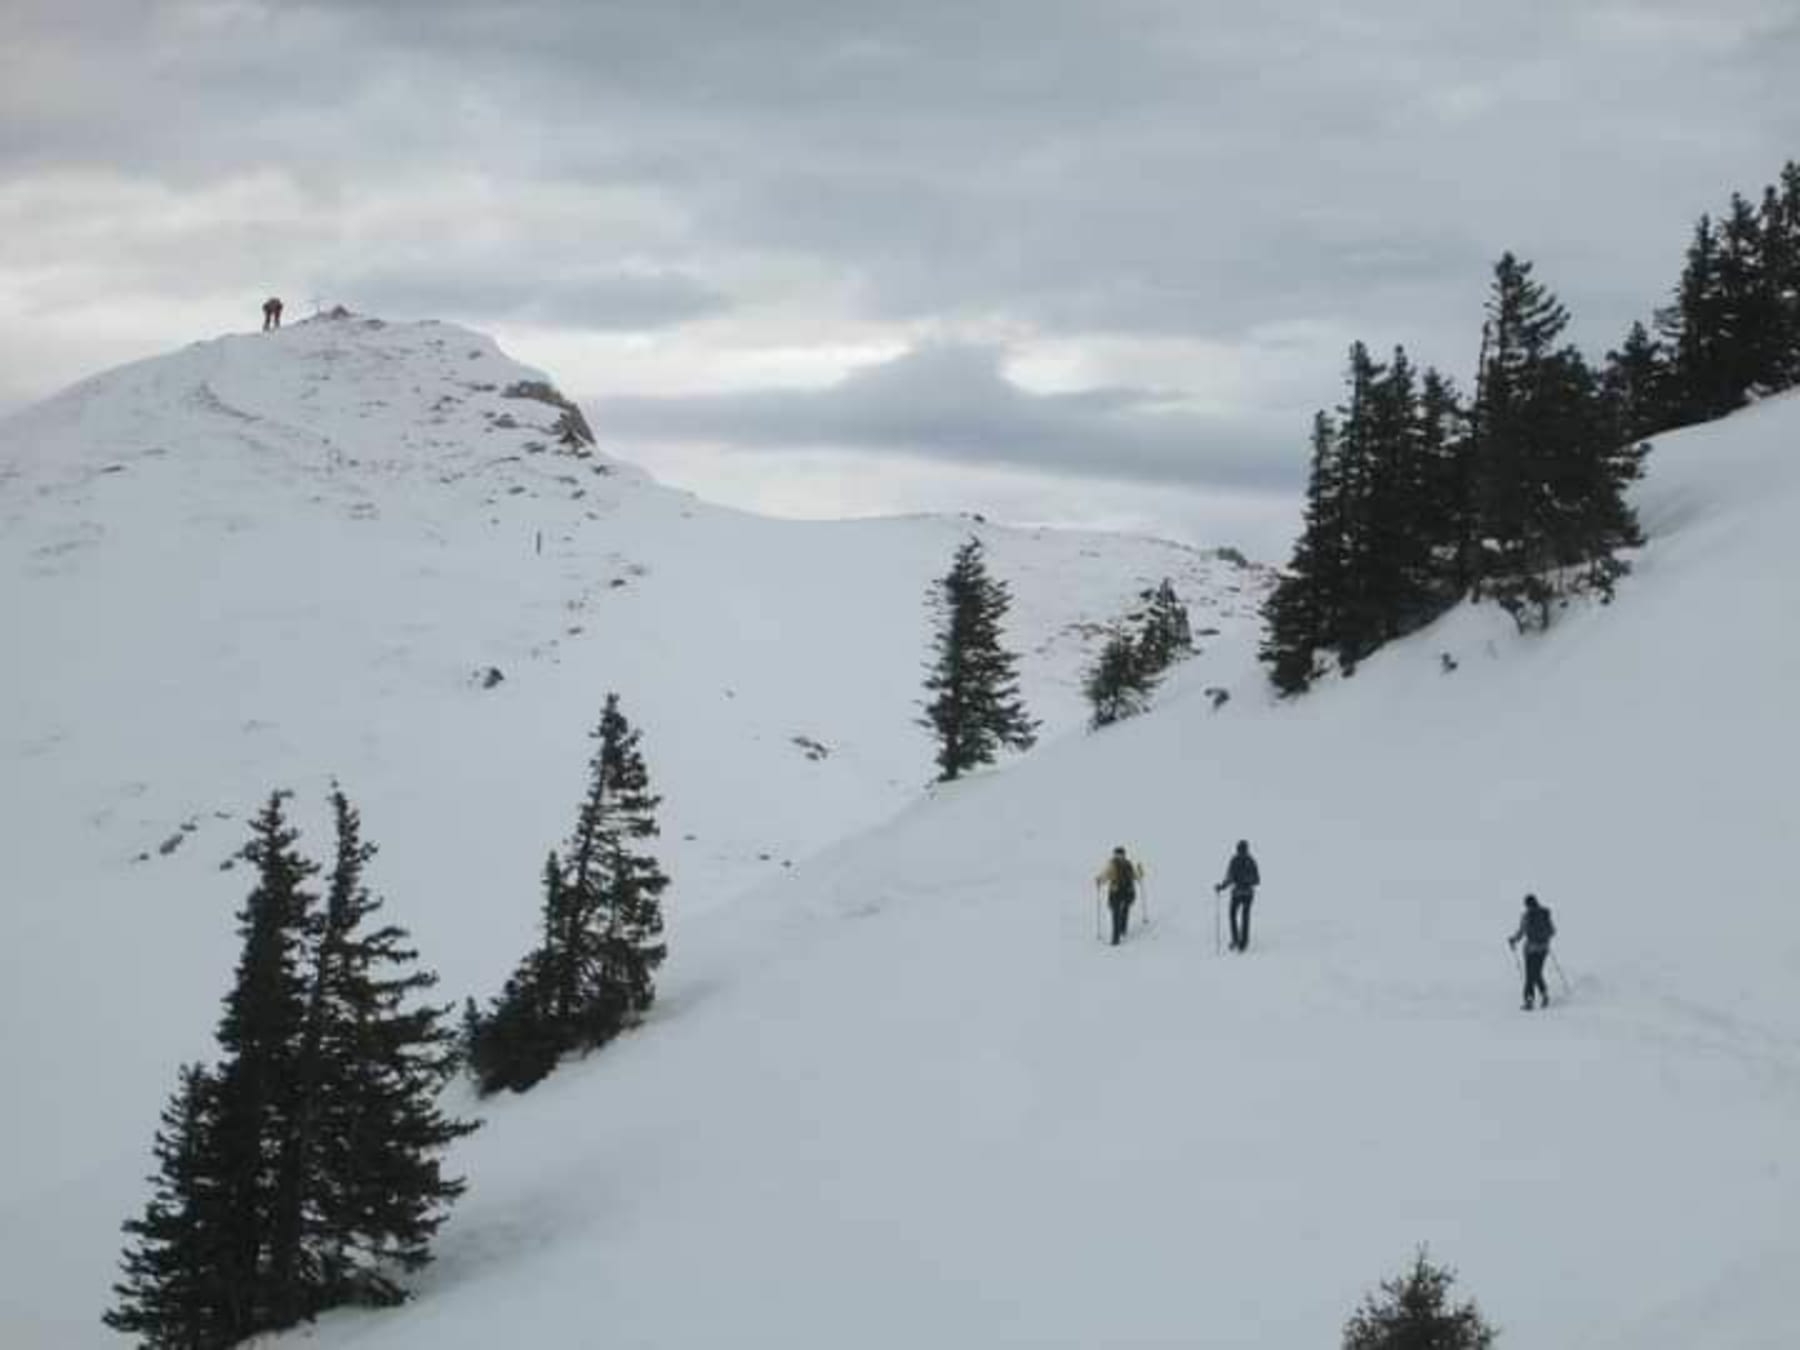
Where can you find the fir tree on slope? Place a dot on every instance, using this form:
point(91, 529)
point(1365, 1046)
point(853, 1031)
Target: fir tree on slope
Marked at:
point(976, 708)
point(1394, 583)
point(1733, 330)
point(1693, 328)
point(1302, 613)
point(1447, 516)
point(1126, 671)
point(378, 1192)
point(1166, 634)
point(1120, 683)
point(1550, 481)
point(170, 1295)
point(593, 972)
point(258, 1082)
point(1413, 1312)
point(517, 1041)
point(1385, 540)
point(204, 1273)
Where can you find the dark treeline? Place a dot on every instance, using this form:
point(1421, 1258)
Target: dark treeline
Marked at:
point(1419, 496)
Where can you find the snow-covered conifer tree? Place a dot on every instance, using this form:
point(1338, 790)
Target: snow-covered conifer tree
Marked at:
point(975, 707)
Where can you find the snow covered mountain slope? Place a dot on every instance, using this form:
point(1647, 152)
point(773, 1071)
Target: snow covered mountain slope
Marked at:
point(902, 1097)
point(266, 560)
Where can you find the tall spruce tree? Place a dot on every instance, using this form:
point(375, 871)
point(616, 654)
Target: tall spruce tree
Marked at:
point(976, 707)
point(1360, 474)
point(1694, 328)
point(633, 880)
point(1302, 613)
point(1550, 481)
point(593, 973)
point(1750, 299)
point(258, 1084)
point(1395, 556)
point(171, 1294)
point(375, 1188)
point(1447, 514)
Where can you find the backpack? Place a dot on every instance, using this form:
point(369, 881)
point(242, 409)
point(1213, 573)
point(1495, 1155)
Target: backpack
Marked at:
point(1123, 882)
point(1538, 927)
point(1242, 874)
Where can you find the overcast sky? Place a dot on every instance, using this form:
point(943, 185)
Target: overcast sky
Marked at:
point(1057, 261)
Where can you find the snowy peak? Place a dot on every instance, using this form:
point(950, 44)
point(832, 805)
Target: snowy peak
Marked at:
point(336, 400)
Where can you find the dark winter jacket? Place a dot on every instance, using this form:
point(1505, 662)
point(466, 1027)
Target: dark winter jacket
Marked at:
point(1241, 874)
point(1536, 927)
point(1120, 876)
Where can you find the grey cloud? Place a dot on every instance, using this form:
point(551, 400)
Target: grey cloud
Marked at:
point(517, 288)
point(953, 402)
point(1054, 167)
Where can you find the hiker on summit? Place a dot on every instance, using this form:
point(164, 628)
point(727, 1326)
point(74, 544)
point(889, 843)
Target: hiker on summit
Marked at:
point(1243, 878)
point(271, 313)
point(1120, 877)
point(1536, 929)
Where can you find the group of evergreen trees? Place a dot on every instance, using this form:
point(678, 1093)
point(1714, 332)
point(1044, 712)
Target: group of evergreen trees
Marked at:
point(1733, 330)
point(300, 1172)
point(1417, 497)
point(1124, 674)
point(975, 707)
point(592, 972)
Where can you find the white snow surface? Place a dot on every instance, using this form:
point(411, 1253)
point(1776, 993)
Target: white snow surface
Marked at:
point(266, 560)
point(896, 1093)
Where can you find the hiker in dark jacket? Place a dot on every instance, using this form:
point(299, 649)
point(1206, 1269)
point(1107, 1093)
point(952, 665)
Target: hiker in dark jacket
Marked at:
point(1536, 930)
point(271, 313)
point(1243, 878)
point(1120, 877)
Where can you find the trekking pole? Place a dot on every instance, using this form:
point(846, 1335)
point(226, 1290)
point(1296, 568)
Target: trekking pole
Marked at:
point(1557, 966)
point(1099, 936)
point(1218, 924)
point(1144, 895)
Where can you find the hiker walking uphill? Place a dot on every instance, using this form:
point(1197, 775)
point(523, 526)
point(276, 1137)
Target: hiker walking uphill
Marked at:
point(1536, 929)
point(1243, 878)
point(271, 313)
point(1120, 878)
